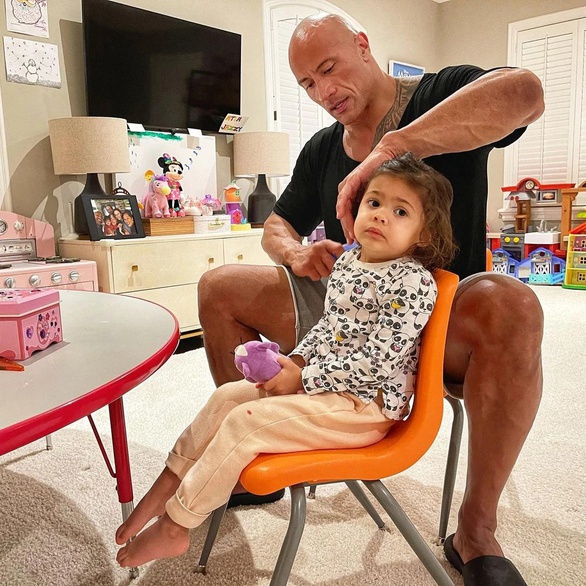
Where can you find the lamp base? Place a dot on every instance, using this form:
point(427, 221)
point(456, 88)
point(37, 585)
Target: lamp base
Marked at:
point(92, 190)
point(260, 202)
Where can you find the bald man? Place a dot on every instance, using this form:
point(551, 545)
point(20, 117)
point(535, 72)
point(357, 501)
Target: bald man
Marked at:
point(453, 119)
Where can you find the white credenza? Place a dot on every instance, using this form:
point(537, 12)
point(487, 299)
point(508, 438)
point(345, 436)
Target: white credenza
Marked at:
point(166, 269)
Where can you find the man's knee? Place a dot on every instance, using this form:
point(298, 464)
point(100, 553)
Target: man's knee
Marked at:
point(498, 307)
point(214, 287)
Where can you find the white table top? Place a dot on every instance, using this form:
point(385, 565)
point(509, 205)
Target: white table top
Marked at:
point(110, 344)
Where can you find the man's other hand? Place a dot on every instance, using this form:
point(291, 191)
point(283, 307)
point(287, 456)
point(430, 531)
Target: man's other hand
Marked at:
point(316, 261)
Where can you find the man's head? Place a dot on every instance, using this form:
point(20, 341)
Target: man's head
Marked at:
point(332, 61)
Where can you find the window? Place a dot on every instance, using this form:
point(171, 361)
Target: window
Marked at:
point(289, 109)
point(553, 150)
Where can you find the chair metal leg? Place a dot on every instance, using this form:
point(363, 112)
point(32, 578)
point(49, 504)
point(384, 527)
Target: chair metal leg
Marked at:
point(49, 442)
point(361, 497)
point(311, 492)
point(292, 537)
point(410, 533)
point(451, 466)
point(215, 523)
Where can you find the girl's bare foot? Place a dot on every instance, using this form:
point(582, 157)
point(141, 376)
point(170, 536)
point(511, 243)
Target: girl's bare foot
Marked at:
point(162, 539)
point(150, 506)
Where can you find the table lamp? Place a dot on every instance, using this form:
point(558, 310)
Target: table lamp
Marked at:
point(261, 154)
point(88, 145)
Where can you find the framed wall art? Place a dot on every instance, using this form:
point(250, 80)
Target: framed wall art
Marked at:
point(401, 69)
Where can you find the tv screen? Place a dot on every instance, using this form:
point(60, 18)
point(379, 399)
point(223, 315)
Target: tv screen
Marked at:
point(159, 71)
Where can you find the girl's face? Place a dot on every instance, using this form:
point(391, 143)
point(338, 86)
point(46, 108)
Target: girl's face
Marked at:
point(389, 220)
point(128, 219)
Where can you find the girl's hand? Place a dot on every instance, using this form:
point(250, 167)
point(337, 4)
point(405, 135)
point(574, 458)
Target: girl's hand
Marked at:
point(287, 382)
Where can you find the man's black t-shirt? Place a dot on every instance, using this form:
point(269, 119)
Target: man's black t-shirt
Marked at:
point(311, 195)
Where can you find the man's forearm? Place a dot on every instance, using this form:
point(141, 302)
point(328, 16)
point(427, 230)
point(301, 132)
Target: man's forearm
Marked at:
point(480, 113)
point(280, 241)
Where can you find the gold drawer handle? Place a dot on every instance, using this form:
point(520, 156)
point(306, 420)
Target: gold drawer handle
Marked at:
point(211, 260)
point(240, 256)
point(134, 268)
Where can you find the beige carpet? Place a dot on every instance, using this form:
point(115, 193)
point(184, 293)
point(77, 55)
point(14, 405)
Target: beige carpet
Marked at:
point(59, 511)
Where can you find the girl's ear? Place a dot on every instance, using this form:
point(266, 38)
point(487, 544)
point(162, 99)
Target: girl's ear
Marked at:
point(424, 238)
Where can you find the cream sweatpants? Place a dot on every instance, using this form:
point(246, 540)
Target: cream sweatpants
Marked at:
point(237, 424)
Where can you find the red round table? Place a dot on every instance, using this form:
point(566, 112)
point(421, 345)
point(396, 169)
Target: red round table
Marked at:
point(111, 343)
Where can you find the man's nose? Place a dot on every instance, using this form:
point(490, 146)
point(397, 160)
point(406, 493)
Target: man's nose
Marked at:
point(325, 90)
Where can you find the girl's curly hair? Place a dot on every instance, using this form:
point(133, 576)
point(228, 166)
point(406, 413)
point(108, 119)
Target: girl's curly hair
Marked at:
point(435, 193)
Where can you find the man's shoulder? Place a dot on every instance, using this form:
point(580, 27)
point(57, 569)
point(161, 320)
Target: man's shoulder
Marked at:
point(453, 75)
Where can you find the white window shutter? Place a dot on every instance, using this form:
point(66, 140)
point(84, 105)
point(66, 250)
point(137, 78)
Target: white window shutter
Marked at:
point(553, 150)
point(581, 108)
point(295, 113)
point(545, 151)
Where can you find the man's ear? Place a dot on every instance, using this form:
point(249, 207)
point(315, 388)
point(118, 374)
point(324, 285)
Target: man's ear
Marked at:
point(363, 45)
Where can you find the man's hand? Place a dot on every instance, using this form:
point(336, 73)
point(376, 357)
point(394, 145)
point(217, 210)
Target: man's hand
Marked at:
point(288, 381)
point(387, 148)
point(315, 261)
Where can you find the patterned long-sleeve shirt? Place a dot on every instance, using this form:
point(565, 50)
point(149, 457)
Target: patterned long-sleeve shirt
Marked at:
point(367, 341)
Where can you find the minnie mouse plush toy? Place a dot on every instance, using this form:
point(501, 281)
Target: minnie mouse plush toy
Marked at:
point(173, 171)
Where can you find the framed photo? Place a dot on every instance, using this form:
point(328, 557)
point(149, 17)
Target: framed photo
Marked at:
point(112, 216)
point(400, 69)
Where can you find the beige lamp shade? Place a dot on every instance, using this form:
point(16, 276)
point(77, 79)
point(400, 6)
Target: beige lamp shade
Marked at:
point(265, 153)
point(89, 144)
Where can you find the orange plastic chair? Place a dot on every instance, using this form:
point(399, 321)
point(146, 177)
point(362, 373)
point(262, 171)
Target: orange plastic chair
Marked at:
point(406, 442)
point(488, 260)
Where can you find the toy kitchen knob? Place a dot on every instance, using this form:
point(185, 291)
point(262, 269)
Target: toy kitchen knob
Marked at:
point(74, 276)
point(18, 226)
point(56, 278)
point(35, 280)
point(10, 283)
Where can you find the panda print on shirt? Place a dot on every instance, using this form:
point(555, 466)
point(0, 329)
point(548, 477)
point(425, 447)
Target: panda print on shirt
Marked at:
point(368, 340)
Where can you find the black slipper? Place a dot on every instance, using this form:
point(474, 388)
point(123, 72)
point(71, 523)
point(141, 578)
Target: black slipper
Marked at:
point(486, 570)
point(248, 499)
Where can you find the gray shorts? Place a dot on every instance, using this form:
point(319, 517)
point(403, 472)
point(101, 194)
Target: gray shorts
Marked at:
point(308, 298)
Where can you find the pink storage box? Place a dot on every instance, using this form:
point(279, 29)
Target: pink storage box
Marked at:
point(30, 320)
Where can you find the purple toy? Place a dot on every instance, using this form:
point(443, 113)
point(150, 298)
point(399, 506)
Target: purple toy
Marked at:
point(257, 361)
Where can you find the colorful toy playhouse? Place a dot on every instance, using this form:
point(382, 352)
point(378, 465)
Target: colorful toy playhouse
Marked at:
point(504, 262)
point(541, 267)
point(576, 259)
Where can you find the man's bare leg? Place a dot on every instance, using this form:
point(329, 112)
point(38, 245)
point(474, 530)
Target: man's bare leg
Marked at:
point(151, 505)
point(236, 304)
point(494, 348)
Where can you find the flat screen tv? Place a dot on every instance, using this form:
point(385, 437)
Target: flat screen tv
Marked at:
point(158, 71)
